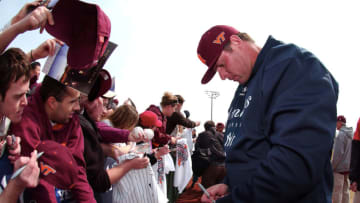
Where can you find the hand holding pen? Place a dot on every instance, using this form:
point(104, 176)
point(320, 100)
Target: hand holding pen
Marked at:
point(32, 16)
point(13, 145)
point(214, 192)
point(206, 192)
point(27, 170)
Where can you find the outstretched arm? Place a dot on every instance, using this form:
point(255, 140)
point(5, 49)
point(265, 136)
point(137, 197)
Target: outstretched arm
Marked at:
point(23, 22)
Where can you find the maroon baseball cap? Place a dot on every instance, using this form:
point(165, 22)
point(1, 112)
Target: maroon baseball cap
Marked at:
point(341, 118)
point(101, 86)
point(84, 27)
point(210, 47)
point(149, 119)
point(57, 165)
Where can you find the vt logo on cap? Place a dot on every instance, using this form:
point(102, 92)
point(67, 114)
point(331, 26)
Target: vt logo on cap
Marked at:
point(46, 169)
point(220, 38)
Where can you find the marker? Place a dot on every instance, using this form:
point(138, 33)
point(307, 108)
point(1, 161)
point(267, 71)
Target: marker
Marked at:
point(205, 192)
point(17, 172)
point(13, 139)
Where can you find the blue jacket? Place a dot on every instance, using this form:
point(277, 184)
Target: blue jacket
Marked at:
point(6, 170)
point(280, 129)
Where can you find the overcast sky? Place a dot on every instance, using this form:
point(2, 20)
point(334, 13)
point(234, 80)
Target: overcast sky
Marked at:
point(157, 43)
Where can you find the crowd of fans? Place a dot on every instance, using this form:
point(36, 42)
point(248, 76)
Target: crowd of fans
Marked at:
point(93, 149)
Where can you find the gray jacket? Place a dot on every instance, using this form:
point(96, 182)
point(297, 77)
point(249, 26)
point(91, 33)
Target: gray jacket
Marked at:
point(342, 150)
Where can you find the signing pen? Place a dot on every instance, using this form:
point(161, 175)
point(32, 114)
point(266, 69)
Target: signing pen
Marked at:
point(205, 192)
point(17, 172)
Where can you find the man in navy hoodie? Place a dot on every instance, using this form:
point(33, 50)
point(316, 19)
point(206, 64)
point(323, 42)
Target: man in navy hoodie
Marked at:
point(281, 122)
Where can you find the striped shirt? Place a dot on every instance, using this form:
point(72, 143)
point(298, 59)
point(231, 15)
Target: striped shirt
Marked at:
point(137, 186)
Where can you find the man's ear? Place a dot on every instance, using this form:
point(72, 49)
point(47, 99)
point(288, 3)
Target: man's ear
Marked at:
point(51, 102)
point(234, 39)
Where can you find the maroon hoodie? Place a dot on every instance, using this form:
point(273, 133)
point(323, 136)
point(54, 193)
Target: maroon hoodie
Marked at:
point(160, 136)
point(112, 135)
point(35, 128)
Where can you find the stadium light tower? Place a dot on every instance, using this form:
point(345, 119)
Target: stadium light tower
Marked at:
point(212, 95)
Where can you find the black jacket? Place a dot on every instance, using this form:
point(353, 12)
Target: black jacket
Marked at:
point(212, 140)
point(94, 156)
point(178, 119)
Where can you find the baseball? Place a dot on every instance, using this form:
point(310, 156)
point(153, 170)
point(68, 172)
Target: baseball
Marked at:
point(137, 132)
point(149, 134)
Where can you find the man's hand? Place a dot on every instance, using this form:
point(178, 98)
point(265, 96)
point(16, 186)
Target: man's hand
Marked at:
point(139, 163)
point(34, 20)
point(25, 10)
point(29, 177)
point(353, 187)
point(118, 151)
point(44, 49)
point(113, 151)
point(161, 151)
point(14, 148)
point(137, 135)
point(216, 192)
point(173, 140)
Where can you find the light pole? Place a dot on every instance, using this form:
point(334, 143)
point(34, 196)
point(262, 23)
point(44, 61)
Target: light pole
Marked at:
point(212, 95)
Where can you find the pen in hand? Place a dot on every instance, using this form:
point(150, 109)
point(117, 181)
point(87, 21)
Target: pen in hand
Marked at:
point(17, 172)
point(205, 192)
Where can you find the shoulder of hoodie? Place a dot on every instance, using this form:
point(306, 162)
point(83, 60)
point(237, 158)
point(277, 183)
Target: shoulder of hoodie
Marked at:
point(283, 53)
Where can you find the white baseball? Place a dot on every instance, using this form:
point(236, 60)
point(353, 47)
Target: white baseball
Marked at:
point(149, 134)
point(137, 132)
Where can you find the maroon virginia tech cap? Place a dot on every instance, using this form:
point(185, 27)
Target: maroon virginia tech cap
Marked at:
point(210, 47)
point(341, 118)
point(57, 165)
point(84, 27)
point(101, 86)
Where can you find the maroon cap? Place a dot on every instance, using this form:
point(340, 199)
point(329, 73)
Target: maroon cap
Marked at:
point(101, 86)
point(149, 119)
point(341, 118)
point(57, 165)
point(84, 27)
point(116, 102)
point(220, 127)
point(210, 47)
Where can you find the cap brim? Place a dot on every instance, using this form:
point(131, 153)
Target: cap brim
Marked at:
point(105, 82)
point(208, 75)
point(109, 94)
point(158, 123)
point(101, 86)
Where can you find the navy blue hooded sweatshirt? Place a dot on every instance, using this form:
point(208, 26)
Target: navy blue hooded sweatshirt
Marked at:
point(280, 129)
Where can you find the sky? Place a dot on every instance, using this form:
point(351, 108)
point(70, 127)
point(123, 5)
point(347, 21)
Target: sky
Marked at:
point(157, 42)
